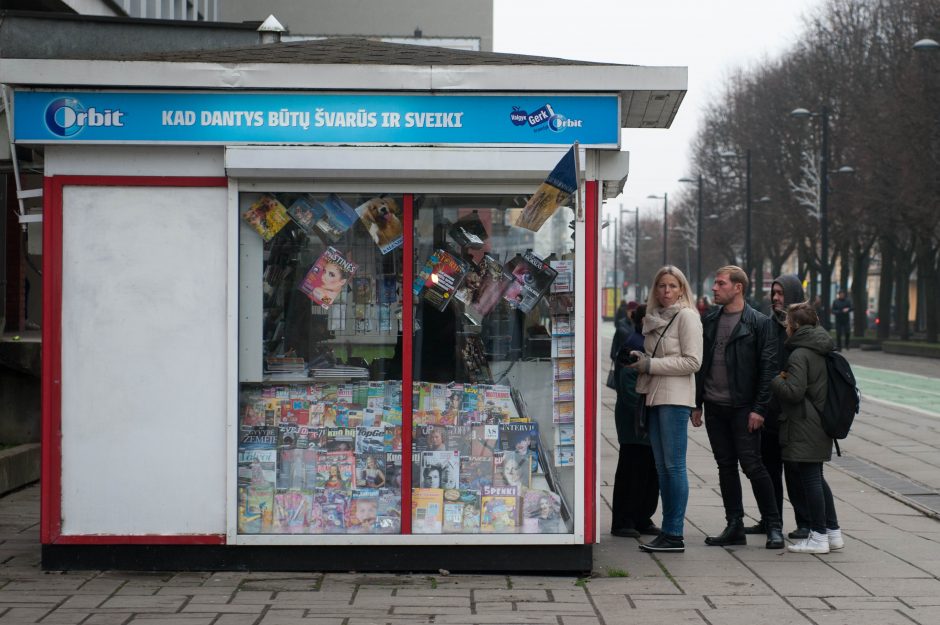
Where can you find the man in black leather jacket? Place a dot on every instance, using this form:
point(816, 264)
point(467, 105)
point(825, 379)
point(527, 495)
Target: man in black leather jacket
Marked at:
point(733, 385)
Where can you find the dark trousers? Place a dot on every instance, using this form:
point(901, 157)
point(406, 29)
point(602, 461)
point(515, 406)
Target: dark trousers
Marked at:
point(733, 444)
point(780, 471)
point(636, 488)
point(819, 502)
point(842, 331)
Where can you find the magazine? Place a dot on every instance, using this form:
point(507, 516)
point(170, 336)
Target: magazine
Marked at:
point(440, 278)
point(511, 469)
point(388, 513)
point(484, 440)
point(461, 511)
point(440, 469)
point(527, 279)
point(255, 509)
point(362, 511)
point(337, 217)
point(561, 324)
point(290, 468)
point(427, 510)
point(482, 287)
point(564, 434)
point(498, 406)
point(370, 440)
point(563, 390)
point(563, 412)
point(541, 512)
point(336, 470)
point(257, 437)
point(338, 439)
point(362, 291)
point(472, 363)
point(563, 368)
point(382, 218)
point(476, 472)
point(564, 283)
point(564, 456)
point(499, 509)
point(370, 470)
point(327, 278)
point(291, 510)
point(257, 467)
point(469, 231)
point(563, 346)
point(523, 439)
point(267, 216)
point(305, 211)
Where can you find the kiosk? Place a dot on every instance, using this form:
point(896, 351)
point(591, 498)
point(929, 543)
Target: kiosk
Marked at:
point(291, 320)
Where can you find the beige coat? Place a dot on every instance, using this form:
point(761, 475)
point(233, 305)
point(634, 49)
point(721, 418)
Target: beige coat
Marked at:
point(671, 380)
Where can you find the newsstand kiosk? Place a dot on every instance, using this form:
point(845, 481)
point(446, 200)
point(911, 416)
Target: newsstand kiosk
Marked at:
point(297, 313)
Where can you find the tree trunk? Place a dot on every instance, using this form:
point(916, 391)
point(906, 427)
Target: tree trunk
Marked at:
point(885, 288)
point(902, 295)
point(844, 265)
point(861, 260)
point(927, 276)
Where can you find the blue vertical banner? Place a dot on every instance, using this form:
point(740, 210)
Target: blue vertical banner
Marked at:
point(315, 118)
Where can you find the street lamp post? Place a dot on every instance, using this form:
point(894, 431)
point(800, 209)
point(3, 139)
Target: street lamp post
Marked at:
point(699, 288)
point(826, 281)
point(665, 198)
point(636, 247)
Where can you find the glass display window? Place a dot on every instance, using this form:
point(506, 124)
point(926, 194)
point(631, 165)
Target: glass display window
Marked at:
point(323, 439)
point(493, 332)
point(320, 408)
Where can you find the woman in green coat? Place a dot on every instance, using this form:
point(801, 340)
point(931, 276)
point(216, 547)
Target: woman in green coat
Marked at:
point(801, 391)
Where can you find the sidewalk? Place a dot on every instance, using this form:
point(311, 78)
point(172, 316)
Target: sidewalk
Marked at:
point(888, 573)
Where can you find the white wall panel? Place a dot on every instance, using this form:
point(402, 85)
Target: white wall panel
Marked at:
point(144, 344)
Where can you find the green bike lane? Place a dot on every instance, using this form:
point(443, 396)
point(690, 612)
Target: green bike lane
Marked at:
point(903, 389)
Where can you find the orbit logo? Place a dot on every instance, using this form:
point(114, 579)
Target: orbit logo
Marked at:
point(66, 117)
point(545, 118)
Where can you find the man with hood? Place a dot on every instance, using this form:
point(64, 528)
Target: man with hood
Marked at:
point(786, 290)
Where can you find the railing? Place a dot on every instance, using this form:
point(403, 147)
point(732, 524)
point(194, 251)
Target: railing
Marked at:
point(193, 10)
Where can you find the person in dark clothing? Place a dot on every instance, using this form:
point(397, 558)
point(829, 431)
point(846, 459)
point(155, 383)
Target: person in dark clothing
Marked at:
point(636, 485)
point(786, 290)
point(841, 309)
point(733, 386)
point(624, 325)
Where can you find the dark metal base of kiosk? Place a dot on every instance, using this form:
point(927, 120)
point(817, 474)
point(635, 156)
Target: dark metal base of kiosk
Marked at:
point(542, 559)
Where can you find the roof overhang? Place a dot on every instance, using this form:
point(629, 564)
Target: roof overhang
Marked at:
point(650, 96)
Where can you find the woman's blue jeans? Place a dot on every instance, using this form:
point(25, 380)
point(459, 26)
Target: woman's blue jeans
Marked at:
point(668, 427)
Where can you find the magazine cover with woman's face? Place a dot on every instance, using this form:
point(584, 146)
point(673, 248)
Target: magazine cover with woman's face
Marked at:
point(327, 279)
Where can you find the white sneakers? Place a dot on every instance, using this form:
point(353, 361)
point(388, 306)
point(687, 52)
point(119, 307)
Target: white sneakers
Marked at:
point(835, 540)
point(815, 543)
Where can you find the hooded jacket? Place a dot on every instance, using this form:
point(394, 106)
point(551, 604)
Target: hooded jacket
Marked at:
point(802, 395)
point(792, 294)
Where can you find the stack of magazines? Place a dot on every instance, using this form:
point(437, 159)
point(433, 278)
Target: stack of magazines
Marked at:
point(340, 372)
point(286, 367)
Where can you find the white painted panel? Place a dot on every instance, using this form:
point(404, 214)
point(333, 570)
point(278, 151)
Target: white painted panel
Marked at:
point(141, 160)
point(144, 344)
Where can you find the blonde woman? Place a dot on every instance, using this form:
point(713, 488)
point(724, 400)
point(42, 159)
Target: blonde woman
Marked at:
point(672, 354)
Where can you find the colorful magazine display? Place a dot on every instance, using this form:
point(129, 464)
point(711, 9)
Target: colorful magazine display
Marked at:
point(267, 216)
point(382, 218)
point(305, 211)
point(440, 278)
point(326, 280)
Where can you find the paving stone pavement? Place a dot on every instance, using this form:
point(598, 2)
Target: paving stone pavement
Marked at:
point(888, 573)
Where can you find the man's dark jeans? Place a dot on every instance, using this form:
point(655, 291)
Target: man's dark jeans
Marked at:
point(732, 444)
point(842, 333)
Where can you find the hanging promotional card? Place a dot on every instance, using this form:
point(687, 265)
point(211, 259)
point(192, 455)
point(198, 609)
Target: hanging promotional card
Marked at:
point(483, 286)
point(564, 283)
point(555, 191)
point(386, 289)
point(469, 231)
point(326, 280)
point(267, 216)
point(305, 212)
point(440, 278)
point(337, 217)
point(527, 279)
point(382, 218)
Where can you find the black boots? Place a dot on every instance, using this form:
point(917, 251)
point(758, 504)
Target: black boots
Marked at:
point(774, 536)
point(732, 535)
point(758, 528)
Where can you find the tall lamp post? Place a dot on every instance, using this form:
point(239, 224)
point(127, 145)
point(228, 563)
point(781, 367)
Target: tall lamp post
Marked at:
point(665, 198)
point(636, 246)
point(699, 288)
point(826, 286)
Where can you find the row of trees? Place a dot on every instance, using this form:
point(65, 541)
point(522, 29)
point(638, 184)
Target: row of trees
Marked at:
point(855, 59)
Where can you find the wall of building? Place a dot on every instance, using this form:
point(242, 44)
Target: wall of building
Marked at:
point(434, 18)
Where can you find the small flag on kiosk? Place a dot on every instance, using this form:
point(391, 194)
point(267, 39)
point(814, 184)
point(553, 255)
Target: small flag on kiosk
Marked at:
point(555, 191)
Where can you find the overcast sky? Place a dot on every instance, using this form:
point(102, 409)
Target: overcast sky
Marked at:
point(710, 37)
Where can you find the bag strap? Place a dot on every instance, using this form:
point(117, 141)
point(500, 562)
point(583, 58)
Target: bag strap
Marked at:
point(661, 336)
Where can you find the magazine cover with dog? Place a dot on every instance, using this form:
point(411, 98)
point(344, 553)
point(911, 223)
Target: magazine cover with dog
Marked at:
point(527, 279)
point(382, 218)
point(337, 217)
point(440, 278)
point(326, 280)
point(267, 216)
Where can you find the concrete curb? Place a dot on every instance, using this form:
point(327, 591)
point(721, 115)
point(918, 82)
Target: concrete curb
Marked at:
point(19, 466)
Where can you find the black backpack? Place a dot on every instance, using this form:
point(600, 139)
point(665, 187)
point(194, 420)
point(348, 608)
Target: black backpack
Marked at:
point(842, 398)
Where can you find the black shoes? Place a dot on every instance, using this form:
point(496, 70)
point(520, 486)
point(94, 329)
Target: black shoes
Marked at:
point(774, 537)
point(760, 528)
point(733, 534)
point(651, 530)
point(664, 544)
point(799, 533)
point(625, 532)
